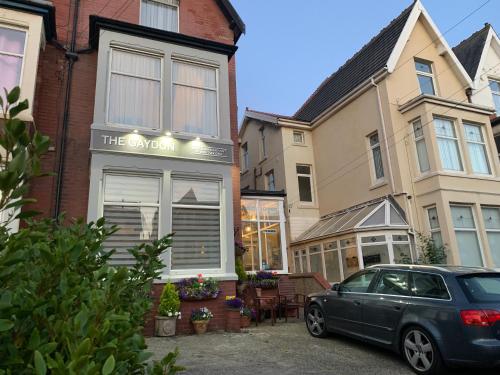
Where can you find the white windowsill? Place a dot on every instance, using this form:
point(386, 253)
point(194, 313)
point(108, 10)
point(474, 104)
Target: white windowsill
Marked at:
point(216, 276)
point(378, 184)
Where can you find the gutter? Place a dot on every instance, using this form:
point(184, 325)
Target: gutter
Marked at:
point(71, 56)
point(384, 131)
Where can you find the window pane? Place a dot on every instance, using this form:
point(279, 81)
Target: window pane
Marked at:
point(423, 160)
point(374, 139)
point(136, 226)
point(400, 238)
point(297, 264)
point(473, 133)
point(248, 209)
point(11, 67)
point(417, 129)
point(481, 288)
point(402, 253)
point(194, 75)
point(12, 41)
point(377, 162)
point(429, 286)
point(332, 266)
point(350, 263)
point(304, 261)
point(360, 283)
point(462, 217)
point(269, 210)
point(468, 246)
point(424, 67)
point(330, 245)
point(377, 218)
point(478, 158)
point(448, 151)
point(316, 263)
point(131, 189)
point(159, 15)
point(373, 239)
point(196, 243)
point(433, 218)
point(444, 128)
point(426, 84)
point(298, 137)
point(270, 237)
point(136, 64)
point(437, 239)
point(195, 192)
point(496, 101)
point(393, 283)
point(491, 216)
point(377, 254)
point(250, 239)
point(396, 218)
point(305, 193)
point(303, 169)
point(494, 242)
point(194, 111)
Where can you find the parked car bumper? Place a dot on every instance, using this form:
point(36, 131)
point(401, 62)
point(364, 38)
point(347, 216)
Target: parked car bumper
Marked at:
point(480, 353)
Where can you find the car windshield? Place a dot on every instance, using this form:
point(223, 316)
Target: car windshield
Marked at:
point(481, 287)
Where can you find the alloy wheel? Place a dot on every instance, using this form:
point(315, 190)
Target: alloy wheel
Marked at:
point(418, 350)
point(315, 321)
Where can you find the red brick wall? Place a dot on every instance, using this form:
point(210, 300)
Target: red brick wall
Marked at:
point(216, 306)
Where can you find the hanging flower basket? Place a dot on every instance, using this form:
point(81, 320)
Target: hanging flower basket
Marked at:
point(264, 280)
point(198, 289)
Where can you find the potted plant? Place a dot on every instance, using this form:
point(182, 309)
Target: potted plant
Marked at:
point(168, 311)
point(242, 276)
point(200, 319)
point(245, 317)
point(233, 313)
point(264, 280)
point(198, 288)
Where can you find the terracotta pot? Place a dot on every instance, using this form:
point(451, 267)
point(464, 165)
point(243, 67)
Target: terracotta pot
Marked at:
point(245, 321)
point(200, 326)
point(165, 326)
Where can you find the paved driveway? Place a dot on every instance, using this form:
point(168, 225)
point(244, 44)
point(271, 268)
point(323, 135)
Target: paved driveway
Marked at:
point(286, 348)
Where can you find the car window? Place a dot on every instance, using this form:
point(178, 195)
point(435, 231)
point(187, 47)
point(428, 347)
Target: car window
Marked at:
point(358, 283)
point(394, 282)
point(481, 288)
point(429, 286)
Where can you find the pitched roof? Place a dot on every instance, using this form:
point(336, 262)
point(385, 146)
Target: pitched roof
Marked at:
point(469, 51)
point(364, 64)
point(236, 23)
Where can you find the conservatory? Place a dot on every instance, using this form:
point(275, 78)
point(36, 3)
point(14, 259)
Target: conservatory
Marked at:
point(344, 242)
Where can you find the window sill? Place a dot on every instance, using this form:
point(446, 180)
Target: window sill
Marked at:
point(299, 144)
point(457, 174)
point(263, 160)
point(178, 277)
point(242, 173)
point(311, 206)
point(378, 184)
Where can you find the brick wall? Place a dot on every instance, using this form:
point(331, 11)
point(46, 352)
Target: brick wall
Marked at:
point(216, 306)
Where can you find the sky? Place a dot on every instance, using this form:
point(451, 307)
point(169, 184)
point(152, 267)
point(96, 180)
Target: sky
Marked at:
point(291, 46)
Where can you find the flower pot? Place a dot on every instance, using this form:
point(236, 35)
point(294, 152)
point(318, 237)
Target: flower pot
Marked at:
point(165, 326)
point(245, 321)
point(200, 326)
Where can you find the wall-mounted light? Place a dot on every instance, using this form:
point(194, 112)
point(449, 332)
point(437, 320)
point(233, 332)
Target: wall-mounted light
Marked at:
point(197, 139)
point(168, 134)
point(135, 131)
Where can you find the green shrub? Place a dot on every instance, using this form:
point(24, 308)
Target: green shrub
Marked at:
point(170, 302)
point(430, 253)
point(240, 271)
point(63, 309)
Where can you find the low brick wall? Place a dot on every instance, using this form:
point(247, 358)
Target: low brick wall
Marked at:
point(307, 283)
point(184, 327)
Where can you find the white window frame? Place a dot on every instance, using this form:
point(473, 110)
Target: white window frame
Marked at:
point(23, 59)
point(245, 156)
point(301, 134)
point(268, 180)
point(112, 48)
point(216, 68)
point(310, 176)
point(455, 139)
point(220, 207)
point(490, 230)
point(170, 3)
point(372, 157)
point(495, 94)
point(483, 144)
point(425, 74)
point(339, 255)
point(474, 230)
point(420, 138)
point(320, 245)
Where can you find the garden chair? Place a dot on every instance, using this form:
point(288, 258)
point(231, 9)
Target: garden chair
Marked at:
point(261, 304)
point(288, 299)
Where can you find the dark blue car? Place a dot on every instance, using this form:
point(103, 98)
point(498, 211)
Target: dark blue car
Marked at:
point(435, 316)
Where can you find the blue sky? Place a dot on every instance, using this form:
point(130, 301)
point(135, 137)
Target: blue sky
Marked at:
point(290, 48)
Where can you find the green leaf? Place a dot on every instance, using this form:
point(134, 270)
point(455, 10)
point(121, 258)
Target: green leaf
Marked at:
point(5, 325)
point(40, 366)
point(13, 95)
point(34, 342)
point(27, 215)
point(20, 202)
point(109, 365)
point(22, 106)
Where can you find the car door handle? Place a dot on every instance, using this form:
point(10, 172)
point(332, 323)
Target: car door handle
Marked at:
point(357, 303)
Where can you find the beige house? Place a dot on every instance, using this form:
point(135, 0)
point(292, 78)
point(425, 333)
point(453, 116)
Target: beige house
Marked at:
point(398, 149)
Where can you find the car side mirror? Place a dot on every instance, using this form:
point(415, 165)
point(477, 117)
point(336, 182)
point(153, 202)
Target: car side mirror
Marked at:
point(336, 287)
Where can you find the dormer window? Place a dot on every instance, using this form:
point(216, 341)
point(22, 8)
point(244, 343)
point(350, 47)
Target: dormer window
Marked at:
point(425, 77)
point(160, 14)
point(495, 91)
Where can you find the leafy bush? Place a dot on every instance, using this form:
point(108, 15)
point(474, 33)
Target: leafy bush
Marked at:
point(430, 253)
point(170, 303)
point(240, 271)
point(63, 309)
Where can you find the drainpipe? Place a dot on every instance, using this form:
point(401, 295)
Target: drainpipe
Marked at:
point(468, 93)
point(71, 56)
point(382, 120)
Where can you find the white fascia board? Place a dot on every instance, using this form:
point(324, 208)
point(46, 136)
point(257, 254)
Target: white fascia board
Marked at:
point(484, 54)
point(417, 11)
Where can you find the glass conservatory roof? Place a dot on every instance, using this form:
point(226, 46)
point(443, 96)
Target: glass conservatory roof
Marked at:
point(382, 212)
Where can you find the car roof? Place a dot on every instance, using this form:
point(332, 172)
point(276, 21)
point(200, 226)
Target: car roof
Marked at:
point(438, 268)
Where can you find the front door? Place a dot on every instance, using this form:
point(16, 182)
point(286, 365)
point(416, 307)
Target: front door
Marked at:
point(383, 309)
point(344, 307)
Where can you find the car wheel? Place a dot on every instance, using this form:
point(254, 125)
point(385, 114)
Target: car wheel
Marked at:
point(315, 321)
point(420, 352)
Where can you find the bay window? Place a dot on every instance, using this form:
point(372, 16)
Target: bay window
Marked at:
point(447, 140)
point(12, 46)
point(196, 222)
point(160, 14)
point(423, 159)
point(134, 97)
point(263, 234)
point(491, 217)
point(477, 148)
point(375, 250)
point(131, 203)
point(194, 99)
point(466, 235)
